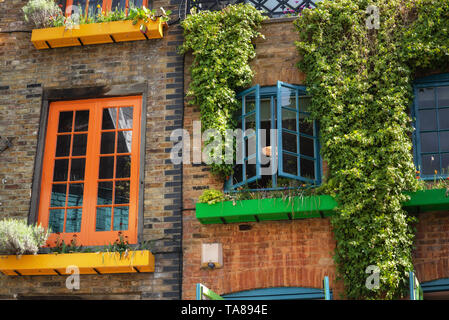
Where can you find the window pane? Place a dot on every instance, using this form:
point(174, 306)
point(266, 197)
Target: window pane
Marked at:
point(443, 118)
point(79, 144)
point(288, 97)
point(125, 118)
point(289, 142)
point(109, 118)
point(445, 163)
point(306, 125)
point(430, 163)
point(65, 121)
point(121, 218)
point(77, 169)
point(124, 141)
point(426, 98)
point(250, 122)
point(429, 142)
point(290, 164)
point(56, 220)
point(289, 120)
point(106, 168)
point(304, 103)
point(307, 146)
point(428, 119)
point(121, 192)
point(135, 3)
point(123, 167)
point(118, 5)
point(73, 223)
point(63, 145)
point(443, 97)
point(250, 103)
point(58, 193)
point(444, 141)
point(238, 174)
point(103, 220)
point(307, 169)
point(104, 193)
point(81, 120)
point(250, 146)
point(250, 168)
point(76, 191)
point(61, 170)
point(107, 142)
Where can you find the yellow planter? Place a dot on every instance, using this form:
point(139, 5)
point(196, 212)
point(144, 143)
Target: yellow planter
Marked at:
point(95, 33)
point(88, 263)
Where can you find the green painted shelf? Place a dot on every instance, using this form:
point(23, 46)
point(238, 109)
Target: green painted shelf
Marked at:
point(303, 207)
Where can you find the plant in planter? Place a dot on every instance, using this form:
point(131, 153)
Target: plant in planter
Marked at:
point(42, 13)
point(17, 237)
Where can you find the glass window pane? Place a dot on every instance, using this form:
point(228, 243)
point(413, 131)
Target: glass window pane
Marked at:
point(124, 141)
point(107, 142)
point(58, 193)
point(79, 144)
point(429, 142)
point(73, 222)
point(430, 163)
point(288, 97)
point(81, 120)
point(428, 119)
point(426, 98)
point(290, 164)
point(61, 169)
point(290, 142)
point(65, 121)
point(77, 169)
point(109, 118)
point(76, 191)
point(250, 123)
point(63, 145)
point(121, 192)
point(238, 174)
point(121, 218)
point(135, 3)
point(307, 168)
point(306, 125)
point(123, 167)
point(443, 118)
point(103, 219)
point(125, 118)
point(443, 97)
point(250, 146)
point(56, 220)
point(106, 168)
point(307, 146)
point(250, 168)
point(444, 141)
point(118, 5)
point(104, 193)
point(289, 120)
point(304, 103)
point(445, 163)
point(250, 103)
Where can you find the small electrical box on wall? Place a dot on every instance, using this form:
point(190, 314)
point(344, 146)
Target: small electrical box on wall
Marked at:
point(211, 255)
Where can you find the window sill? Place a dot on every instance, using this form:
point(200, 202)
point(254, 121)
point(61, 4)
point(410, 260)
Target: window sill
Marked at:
point(88, 263)
point(303, 207)
point(96, 33)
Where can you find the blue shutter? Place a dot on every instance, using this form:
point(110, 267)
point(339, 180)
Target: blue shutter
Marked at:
point(248, 170)
point(298, 156)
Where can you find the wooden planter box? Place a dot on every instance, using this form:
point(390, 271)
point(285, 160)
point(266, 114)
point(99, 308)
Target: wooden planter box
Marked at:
point(88, 263)
point(95, 33)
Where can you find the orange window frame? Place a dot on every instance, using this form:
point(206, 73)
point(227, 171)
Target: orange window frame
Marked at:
point(106, 6)
point(88, 236)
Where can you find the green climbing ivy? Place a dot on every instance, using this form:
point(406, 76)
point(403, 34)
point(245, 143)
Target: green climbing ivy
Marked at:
point(221, 44)
point(360, 81)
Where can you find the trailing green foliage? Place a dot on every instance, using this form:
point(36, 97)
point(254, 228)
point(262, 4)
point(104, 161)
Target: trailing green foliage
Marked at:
point(360, 82)
point(211, 196)
point(17, 237)
point(221, 43)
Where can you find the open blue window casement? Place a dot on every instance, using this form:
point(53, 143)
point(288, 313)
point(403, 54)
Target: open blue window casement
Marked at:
point(279, 142)
point(431, 137)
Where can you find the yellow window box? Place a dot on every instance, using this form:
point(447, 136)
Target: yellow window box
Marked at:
point(88, 263)
point(96, 33)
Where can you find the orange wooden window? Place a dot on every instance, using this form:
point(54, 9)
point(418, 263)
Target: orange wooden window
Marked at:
point(90, 7)
point(90, 174)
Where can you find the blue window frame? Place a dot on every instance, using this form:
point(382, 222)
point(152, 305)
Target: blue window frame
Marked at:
point(281, 112)
point(431, 137)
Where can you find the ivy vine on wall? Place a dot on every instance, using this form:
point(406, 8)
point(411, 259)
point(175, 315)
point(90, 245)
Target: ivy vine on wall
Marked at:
point(360, 81)
point(221, 44)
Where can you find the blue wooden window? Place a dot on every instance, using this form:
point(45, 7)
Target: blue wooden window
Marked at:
point(280, 293)
point(293, 138)
point(431, 137)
